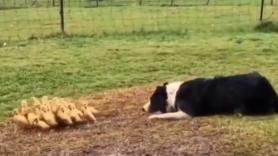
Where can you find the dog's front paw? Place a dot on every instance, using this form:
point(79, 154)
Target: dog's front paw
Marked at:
point(151, 117)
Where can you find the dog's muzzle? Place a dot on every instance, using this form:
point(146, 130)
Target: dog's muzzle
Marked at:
point(146, 107)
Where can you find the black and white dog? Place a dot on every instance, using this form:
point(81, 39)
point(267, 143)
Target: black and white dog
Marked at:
point(247, 94)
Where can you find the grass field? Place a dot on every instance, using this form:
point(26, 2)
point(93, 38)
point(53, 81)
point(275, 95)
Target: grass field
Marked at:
point(122, 129)
point(78, 65)
point(128, 45)
point(100, 51)
point(228, 16)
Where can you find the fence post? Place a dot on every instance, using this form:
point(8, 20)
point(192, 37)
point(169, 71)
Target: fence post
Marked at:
point(62, 16)
point(207, 2)
point(172, 2)
point(97, 1)
point(140, 2)
point(262, 10)
point(271, 2)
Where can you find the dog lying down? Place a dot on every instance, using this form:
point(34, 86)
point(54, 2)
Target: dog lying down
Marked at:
point(247, 94)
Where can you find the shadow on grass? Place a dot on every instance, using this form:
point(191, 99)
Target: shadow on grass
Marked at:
point(267, 26)
point(138, 33)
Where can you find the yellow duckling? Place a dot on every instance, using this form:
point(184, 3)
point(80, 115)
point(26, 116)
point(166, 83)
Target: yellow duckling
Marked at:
point(90, 108)
point(55, 104)
point(36, 101)
point(31, 117)
point(24, 103)
point(56, 99)
point(14, 112)
point(40, 109)
point(53, 108)
point(62, 114)
point(41, 124)
point(49, 117)
point(44, 100)
point(75, 114)
point(37, 112)
point(93, 110)
point(24, 109)
point(69, 104)
point(51, 105)
point(83, 103)
point(88, 114)
point(21, 120)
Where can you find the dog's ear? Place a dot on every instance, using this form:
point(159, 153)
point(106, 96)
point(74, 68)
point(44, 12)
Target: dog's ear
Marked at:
point(159, 87)
point(165, 83)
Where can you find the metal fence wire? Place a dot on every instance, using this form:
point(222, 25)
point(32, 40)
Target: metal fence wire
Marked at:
point(23, 19)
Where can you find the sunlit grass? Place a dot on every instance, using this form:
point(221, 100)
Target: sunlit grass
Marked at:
point(20, 24)
point(75, 66)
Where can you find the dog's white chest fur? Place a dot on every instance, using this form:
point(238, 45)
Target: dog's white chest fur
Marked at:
point(171, 90)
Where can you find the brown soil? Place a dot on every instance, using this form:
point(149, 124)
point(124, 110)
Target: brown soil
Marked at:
point(123, 129)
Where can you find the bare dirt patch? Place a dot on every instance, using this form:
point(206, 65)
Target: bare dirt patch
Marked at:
point(123, 129)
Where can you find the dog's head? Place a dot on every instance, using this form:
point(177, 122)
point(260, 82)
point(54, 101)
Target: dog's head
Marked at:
point(158, 100)
point(163, 98)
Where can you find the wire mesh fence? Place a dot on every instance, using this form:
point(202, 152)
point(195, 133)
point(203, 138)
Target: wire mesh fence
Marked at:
point(23, 19)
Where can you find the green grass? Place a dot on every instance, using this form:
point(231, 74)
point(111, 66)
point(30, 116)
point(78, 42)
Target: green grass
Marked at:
point(21, 24)
point(76, 66)
point(267, 26)
point(247, 135)
point(111, 47)
point(92, 3)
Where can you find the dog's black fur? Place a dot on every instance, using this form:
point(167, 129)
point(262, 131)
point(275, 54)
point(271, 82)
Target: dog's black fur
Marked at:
point(249, 94)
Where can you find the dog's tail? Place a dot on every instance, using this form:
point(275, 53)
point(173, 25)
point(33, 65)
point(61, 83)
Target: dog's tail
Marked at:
point(270, 93)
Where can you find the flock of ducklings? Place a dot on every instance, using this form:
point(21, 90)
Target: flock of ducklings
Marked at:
point(46, 113)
